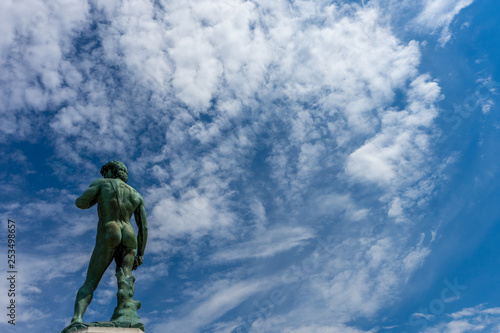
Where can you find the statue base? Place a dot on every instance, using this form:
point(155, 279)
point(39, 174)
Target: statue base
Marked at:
point(105, 327)
point(108, 330)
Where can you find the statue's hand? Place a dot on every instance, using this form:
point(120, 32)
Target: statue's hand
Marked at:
point(138, 262)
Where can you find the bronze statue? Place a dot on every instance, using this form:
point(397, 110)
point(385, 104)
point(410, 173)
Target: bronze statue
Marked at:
point(116, 202)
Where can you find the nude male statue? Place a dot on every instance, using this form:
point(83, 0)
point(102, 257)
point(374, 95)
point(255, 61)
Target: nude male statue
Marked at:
point(116, 202)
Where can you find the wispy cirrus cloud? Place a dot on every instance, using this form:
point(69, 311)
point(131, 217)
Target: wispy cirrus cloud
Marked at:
point(475, 319)
point(215, 301)
point(438, 15)
point(266, 243)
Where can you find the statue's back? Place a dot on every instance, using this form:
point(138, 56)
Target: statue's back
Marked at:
point(117, 200)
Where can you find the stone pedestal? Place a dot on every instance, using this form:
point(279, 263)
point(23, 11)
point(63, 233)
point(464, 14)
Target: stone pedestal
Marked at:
point(108, 330)
point(104, 326)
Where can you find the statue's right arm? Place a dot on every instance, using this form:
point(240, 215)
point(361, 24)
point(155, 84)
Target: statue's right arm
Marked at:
point(89, 197)
point(142, 232)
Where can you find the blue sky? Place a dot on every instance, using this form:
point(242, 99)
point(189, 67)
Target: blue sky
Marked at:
point(307, 166)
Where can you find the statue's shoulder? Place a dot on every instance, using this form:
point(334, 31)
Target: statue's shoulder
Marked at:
point(98, 182)
point(133, 190)
point(137, 195)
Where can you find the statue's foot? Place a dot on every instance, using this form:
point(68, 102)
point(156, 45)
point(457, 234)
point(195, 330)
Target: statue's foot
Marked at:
point(76, 320)
point(73, 326)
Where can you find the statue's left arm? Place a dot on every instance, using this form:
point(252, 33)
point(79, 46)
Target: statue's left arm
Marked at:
point(142, 234)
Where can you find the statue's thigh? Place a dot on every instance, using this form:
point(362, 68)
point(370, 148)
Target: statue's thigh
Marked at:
point(101, 258)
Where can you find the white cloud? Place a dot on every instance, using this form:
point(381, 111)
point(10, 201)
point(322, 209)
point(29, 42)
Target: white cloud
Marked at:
point(194, 213)
point(395, 153)
point(334, 204)
point(475, 319)
point(335, 284)
point(395, 158)
point(439, 14)
point(38, 35)
point(211, 304)
point(325, 329)
point(367, 273)
point(267, 243)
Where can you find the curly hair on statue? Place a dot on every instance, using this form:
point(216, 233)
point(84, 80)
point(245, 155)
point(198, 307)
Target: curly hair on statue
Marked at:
point(118, 169)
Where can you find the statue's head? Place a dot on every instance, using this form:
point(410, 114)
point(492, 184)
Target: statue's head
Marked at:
point(117, 168)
